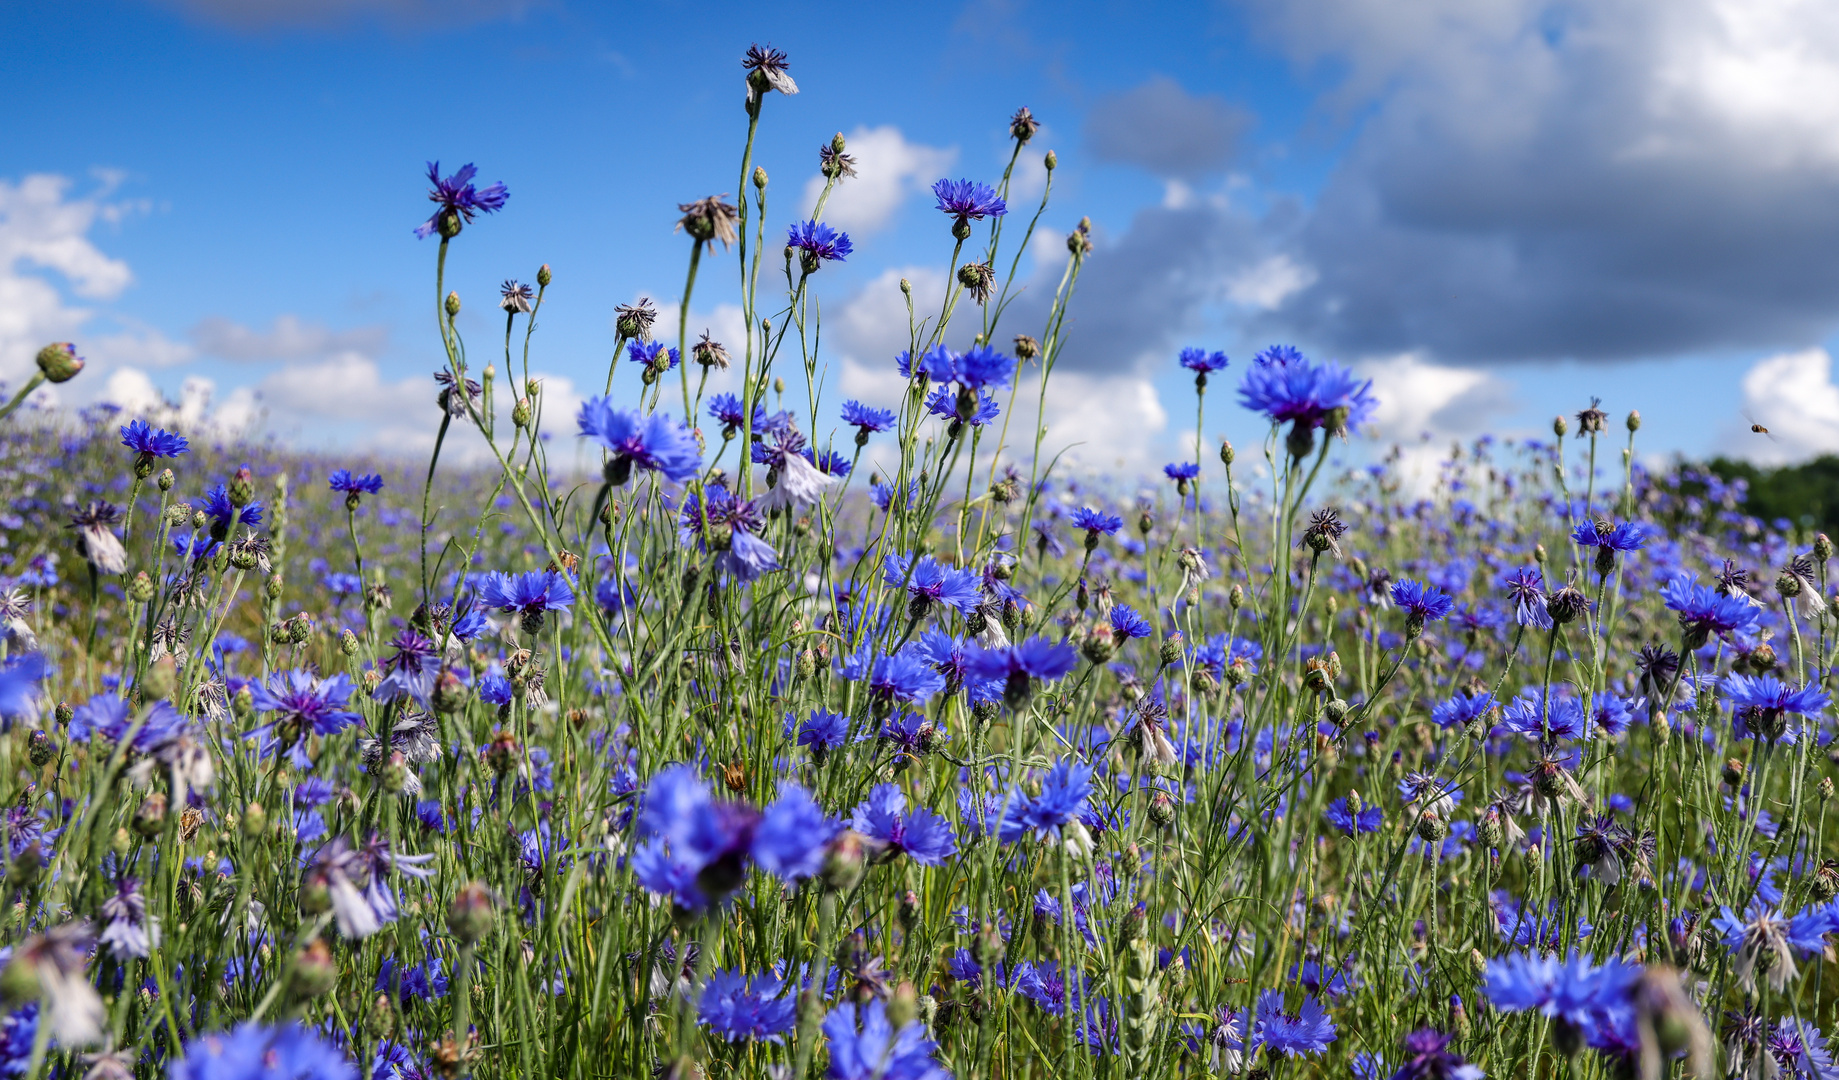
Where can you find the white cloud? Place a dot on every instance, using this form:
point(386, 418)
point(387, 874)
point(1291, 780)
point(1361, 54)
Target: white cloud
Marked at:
point(1424, 406)
point(889, 171)
point(46, 252)
point(288, 338)
point(1791, 394)
point(1267, 284)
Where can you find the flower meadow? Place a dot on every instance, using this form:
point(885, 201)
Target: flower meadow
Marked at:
point(850, 741)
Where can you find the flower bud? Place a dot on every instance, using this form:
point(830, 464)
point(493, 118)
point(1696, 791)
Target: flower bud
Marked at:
point(40, 749)
point(150, 816)
point(543, 276)
point(315, 973)
point(162, 676)
point(241, 488)
point(1052, 161)
point(1560, 425)
point(255, 821)
point(1634, 420)
point(759, 178)
point(166, 480)
point(1026, 348)
point(520, 413)
point(59, 362)
point(1170, 652)
point(450, 693)
point(141, 589)
point(1432, 829)
point(846, 860)
point(453, 304)
point(1733, 772)
point(348, 643)
point(472, 913)
point(1162, 810)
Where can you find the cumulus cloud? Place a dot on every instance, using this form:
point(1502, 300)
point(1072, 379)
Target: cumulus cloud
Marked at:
point(1792, 394)
point(287, 338)
point(1533, 179)
point(55, 282)
point(889, 172)
point(1165, 129)
point(1417, 397)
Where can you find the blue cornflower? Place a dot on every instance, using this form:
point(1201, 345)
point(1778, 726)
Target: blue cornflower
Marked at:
point(734, 526)
point(968, 200)
point(1462, 708)
point(458, 201)
point(1421, 603)
point(920, 834)
point(1059, 805)
point(1095, 522)
point(1041, 983)
point(471, 623)
point(613, 595)
point(1762, 703)
point(740, 1008)
point(982, 368)
point(344, 480)
point(426, 981)
point(728, 411)
point(1427, 1057)
point(1127, 624)
point(1574, 989)
point(495, 690)
point(1202, 362)
point(865, 1046)
point(528, 595)
point(936, 364)
point(299, 703)
point(823, 731)
point(867, 419)
point(224, 514)
point(1614, 714)
point(1181, 471)
point(19, 679)
point(650, 354)
point(944, 404)
point(655, 442)
point(410, 670)
point(1014, 667)
point(107, 715)
point(1704, 612)
point(1528, 716)
point(904, 677)
point(828, 462)
point(1526, 589)
point(793, 833)
point(818, 242)
point(151, 442)
point(254, 1052)
point(1290, 388)
point(931, 584)
point(1308, 1031)
point(1626, 536)
point(1346, 821)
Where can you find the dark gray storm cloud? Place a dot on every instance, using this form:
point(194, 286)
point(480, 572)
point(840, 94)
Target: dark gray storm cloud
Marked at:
point(1612, 181)
point(1165, 129)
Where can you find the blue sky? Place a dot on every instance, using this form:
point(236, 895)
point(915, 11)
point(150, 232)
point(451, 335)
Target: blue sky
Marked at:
point(1497, 209)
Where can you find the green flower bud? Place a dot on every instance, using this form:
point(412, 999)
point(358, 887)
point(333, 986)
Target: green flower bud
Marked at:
point(59, 362)
point(452, 305)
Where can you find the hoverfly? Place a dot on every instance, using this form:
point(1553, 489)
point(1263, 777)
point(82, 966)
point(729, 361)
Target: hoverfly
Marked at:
point(1757, 428)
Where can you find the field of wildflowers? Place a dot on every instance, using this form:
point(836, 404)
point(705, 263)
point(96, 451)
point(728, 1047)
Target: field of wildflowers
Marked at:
point(718, 762)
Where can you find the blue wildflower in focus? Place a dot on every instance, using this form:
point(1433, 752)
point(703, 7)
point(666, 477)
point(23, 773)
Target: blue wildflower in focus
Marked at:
point(1526, 591)
point(226, 515)
point(654, 355)
point(410, 670)
point(920, 834)
point(818, 243)
point(1762, 704)
point(1307, 1031)
point(864, 1045)
point(458, 200)
point(299, 703)
point(1421, 604)
point(968, 200)
point(1202, 362)
point(733, 526)
point(1462, 708)
point(495, 690)
point(1345, 821)
point(1042, 983)
point(1289, 388)
point(867, 419)
point(1181, 471)
point(740, 1008)
point(1625, 536)
point(254, 1051)
point(1096, 523)
point(653, 443)
point(943, 403)
point(823, 732)
point(1062, 800)
point(1559, 718)
point(727, 410)
point(1127, 624)
point(1705, 613)
point(150, 442)
point(930, 585)
point(528, 595)
point(349, 483)
point(905, 677)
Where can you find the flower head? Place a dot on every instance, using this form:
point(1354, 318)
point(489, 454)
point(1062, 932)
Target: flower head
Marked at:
point(1288, 387)
point(653, 443)
point(864, 1045)
point(818, 243)
point(766, 70)
point(968, 200)
point(867, 419)
point(255, 1052)
point(1202, 362)
point(344, 480)
point(740, 1008)
point(918, 833)
point(457, 200)
point(151, 442)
